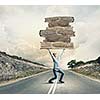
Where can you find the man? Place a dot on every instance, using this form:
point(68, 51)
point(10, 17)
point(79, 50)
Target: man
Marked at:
point(56, 68)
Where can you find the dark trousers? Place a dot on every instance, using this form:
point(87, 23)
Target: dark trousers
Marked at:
point(55, 72)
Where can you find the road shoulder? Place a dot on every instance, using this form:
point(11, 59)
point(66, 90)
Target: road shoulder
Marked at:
point(93, 79)
point(20, 79)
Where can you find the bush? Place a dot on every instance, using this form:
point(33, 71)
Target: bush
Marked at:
point(71, 64)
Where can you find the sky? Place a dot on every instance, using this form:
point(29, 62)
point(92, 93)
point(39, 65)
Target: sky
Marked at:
point(20, 26)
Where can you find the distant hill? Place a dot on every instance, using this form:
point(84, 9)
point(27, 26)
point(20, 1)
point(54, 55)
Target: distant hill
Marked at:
point(13, 67)
point(20, 58)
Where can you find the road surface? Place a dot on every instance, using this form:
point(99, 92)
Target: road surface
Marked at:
point(74, 84)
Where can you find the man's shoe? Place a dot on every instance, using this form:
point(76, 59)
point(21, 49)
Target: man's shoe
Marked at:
point(61, 81)
point(50, 82)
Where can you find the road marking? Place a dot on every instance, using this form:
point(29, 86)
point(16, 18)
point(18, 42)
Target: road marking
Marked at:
point(51, 88)
point(55, 85)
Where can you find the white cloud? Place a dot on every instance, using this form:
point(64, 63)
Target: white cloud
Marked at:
point(20, 25)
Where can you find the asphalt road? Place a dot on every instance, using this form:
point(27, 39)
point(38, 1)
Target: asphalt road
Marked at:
point(74, 84)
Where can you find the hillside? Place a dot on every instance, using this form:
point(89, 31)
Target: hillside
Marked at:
point(20, 58)
point(13, 67)
point(90, 68)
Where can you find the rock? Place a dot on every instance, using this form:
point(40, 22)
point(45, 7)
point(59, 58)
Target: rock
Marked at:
point(58, 32)
point(57, 38)
point(59, 28)
point(44, 33)
point(56, 45)
point(59, 21)
point(62, 24)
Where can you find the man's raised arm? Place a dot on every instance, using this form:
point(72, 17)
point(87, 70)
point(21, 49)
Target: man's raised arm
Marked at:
point(50, 53)
point(59, 57)
point(52, 56)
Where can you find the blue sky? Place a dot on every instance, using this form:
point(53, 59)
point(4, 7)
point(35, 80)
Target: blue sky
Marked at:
point(20, 25)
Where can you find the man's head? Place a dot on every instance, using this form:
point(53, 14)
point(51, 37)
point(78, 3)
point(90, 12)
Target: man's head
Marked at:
point(54, 54)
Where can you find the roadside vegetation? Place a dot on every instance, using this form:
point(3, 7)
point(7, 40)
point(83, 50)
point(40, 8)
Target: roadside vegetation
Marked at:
point(14, 67)
point(90, 68)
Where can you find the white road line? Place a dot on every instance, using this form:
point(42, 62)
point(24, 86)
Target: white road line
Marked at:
point(55, 85)
point(51, 88)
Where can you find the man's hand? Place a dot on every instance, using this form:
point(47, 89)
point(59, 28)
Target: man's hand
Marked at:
point(63, 49)
point(48, 49)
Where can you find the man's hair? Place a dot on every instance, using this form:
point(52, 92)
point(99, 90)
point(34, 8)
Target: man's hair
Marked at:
point(54, 54)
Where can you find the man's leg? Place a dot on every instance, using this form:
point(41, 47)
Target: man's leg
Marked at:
point(62, 75)
point(55, 76)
